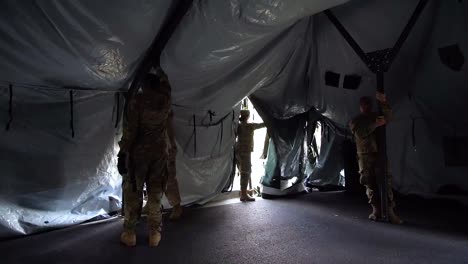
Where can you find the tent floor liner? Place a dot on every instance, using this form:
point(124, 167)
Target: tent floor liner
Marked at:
point(313, 228)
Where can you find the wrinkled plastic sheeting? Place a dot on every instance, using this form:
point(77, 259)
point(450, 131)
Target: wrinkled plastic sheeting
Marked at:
point(50, 179)
point(287, 140)
point(330, 162)
point(83, 44)
point(205, 154)
point(288, 136)
point(202, 179)
point(244, 46)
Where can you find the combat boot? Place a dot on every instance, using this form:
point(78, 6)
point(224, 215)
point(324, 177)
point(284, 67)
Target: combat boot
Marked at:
point(154, 238)
point(393, 218)
point(245, 197)
point(375, 215)
point(128, 238)
point(176, 212)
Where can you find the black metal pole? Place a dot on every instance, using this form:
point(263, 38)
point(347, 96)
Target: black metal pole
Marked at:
point(382, 158)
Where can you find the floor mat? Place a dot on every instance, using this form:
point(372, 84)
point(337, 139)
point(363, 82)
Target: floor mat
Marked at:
point(313, 228)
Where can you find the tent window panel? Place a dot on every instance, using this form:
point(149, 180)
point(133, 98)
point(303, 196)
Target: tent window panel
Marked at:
point(332, 79)
point(452, 57)
point(352, 82)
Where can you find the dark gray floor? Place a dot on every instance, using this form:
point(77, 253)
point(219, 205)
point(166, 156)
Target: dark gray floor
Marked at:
point(315, 228)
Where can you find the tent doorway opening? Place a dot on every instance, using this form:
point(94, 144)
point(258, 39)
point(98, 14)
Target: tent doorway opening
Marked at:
point(258, 157)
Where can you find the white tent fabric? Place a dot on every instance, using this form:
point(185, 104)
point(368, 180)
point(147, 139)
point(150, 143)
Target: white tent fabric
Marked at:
point(276, 51)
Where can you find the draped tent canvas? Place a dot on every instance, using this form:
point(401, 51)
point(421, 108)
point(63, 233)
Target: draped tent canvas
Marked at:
point(65, 62)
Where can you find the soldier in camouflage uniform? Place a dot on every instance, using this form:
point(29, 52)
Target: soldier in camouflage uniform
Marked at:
point(172, 189)
point(363, 128)
point(143, 157)
point(244, 148)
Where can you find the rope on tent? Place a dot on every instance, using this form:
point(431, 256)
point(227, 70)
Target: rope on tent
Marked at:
point(220, 123)
point(72, 122)
point(211, 114)
point(217, 123)
point(57, 88)
point(10, 108)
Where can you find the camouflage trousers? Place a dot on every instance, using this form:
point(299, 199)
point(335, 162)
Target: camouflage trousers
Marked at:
point(244, 164)
point(371, 178)
point(154, 174)
point(172, 190)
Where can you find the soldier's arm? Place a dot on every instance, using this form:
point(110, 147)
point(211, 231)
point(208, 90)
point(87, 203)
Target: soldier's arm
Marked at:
point(130, 126)
point(361, 130)
point(258, 125)
point(387, 111)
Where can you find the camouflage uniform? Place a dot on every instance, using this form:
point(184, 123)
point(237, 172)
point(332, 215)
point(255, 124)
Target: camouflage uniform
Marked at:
point(363, 128)
point(244, 148)
point(144, 139)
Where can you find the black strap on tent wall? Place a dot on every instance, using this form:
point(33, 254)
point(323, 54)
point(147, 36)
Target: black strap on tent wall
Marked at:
point(220, 123)
point(221, 137)
point(10, 108)
point(72, 121)
point(194, 137)
point(379, 62)
point(211, 114)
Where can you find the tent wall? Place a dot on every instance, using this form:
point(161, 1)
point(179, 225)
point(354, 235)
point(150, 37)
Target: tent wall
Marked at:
point(50, 179)
point(49, 48)
point(425, 94)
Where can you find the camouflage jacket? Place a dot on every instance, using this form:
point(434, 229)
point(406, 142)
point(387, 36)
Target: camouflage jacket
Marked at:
point(145, 124)
point(245, 136)
point(363, 128)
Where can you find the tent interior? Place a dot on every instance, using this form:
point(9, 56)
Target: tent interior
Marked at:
point(67, 66)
